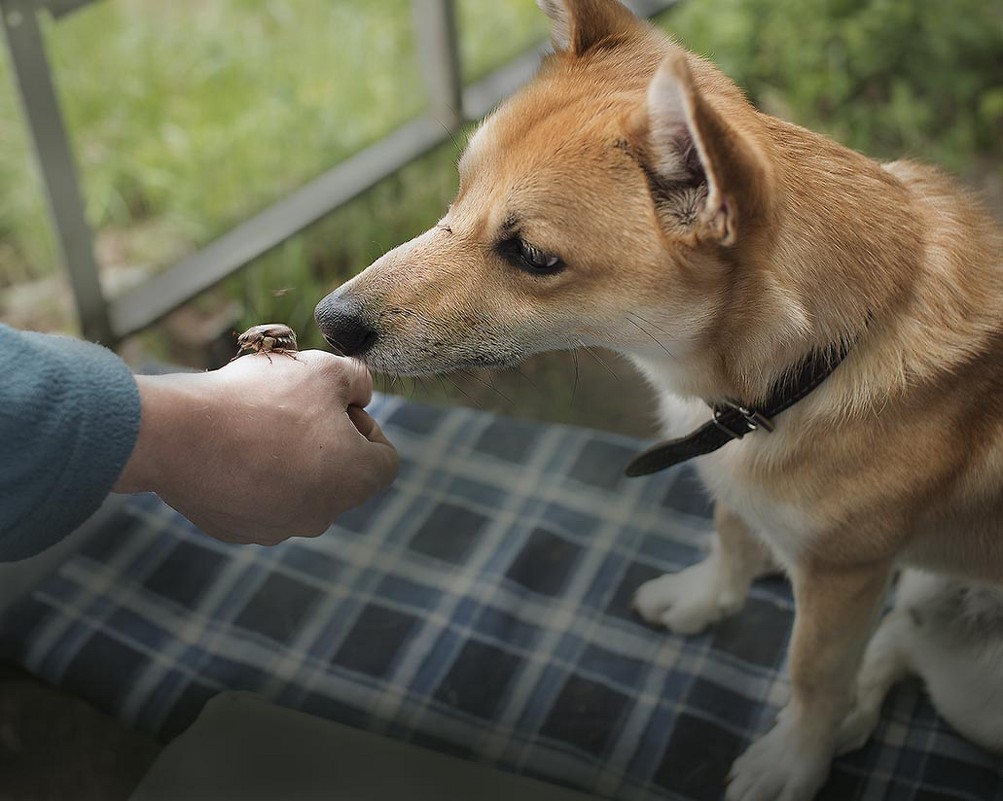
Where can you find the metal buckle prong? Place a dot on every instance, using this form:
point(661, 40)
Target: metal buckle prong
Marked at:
point(753, 419)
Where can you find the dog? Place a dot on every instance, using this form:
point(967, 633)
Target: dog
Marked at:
point(949, 633)
point(631, 197)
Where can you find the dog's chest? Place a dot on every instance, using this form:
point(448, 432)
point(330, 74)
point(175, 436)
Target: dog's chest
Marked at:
point(785, 525)
point(731, 479)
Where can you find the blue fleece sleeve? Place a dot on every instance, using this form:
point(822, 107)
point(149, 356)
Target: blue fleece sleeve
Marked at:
point(69, 417)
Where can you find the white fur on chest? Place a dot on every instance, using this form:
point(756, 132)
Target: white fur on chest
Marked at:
point(784, 526)
point(730, 478)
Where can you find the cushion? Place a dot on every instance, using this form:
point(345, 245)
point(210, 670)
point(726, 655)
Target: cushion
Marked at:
point(480, 607)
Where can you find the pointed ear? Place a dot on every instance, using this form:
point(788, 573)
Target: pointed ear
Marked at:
point(688, 138)
point(580, 24)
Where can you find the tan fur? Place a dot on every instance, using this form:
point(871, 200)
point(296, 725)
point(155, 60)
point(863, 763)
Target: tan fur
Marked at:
point(716, 283)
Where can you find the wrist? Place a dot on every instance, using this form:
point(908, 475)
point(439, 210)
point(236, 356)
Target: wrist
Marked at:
point(163, 401)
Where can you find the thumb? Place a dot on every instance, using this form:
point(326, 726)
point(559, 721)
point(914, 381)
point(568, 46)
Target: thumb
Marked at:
point(367, 425)
point(385, 460)
point(353, 380)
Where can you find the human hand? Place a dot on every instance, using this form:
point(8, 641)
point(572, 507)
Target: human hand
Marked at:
point(261, 450)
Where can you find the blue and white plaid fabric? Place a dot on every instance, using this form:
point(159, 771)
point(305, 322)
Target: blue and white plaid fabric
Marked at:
point(480, 607)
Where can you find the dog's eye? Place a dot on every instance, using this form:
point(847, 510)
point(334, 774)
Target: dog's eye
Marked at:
point(537, 260)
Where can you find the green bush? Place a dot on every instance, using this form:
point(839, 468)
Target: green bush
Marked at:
point(889, 77)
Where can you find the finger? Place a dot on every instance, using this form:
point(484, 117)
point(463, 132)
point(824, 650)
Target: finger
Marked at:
point(387, 460)
point(354, 380)
point(367, 426)
point(361, 419)
point(352, 384)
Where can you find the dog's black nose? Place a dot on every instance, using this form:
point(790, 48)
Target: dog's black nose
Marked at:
point(344, 324)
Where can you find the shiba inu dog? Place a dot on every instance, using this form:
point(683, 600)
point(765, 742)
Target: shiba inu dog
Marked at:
point(834, 324)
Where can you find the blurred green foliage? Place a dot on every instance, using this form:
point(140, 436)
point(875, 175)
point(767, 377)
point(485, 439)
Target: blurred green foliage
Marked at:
point(922, 78)
point(188, 116)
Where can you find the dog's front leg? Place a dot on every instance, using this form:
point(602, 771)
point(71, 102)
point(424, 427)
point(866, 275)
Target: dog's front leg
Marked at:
point(886, 661)
point(689, 601)
point(836, 608)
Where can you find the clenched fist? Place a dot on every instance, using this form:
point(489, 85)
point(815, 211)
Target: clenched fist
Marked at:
point(261, 450)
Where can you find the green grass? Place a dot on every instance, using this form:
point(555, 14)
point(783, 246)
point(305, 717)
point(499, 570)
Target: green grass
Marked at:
point(188, 116)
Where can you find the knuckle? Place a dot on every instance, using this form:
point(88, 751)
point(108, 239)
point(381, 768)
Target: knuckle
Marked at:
point(362, 378)
point(349, 374)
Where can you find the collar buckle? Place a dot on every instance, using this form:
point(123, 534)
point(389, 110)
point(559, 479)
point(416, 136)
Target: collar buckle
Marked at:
point(752, 419)
point(733, 421)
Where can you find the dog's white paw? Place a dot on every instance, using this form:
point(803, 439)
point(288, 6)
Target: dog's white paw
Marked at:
point(689, 601)
point(782, 765)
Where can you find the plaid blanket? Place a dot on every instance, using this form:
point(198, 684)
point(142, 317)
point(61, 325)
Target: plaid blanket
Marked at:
point(480, 607)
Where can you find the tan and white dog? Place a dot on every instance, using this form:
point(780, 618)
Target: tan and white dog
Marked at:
point(630, 197)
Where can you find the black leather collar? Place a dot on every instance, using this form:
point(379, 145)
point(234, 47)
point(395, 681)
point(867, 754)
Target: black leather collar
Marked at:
point(733, 420)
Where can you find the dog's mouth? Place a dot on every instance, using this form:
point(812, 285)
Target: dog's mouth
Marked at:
point(425, 359)
point(404, 343)
point(335, 345)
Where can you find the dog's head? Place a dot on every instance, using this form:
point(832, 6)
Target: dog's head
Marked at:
point(607, 203)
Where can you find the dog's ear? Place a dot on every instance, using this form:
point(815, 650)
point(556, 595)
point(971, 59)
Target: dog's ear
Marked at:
point(580, 24)
point(689, 140)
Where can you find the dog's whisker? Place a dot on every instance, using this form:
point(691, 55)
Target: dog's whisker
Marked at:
point(601, 361)
point(519, 371)
point(648, 334)
point(574, 387)
point(488, 384)
point(647, 322)
point(463, 392)
point(579, 344)
point(444, 388)
point(338, 348)
point(449, 133)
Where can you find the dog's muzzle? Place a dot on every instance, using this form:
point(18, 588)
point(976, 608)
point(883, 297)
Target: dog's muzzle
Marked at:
point(344, 324)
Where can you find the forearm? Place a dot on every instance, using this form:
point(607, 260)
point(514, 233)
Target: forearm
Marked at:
point(69, 417)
